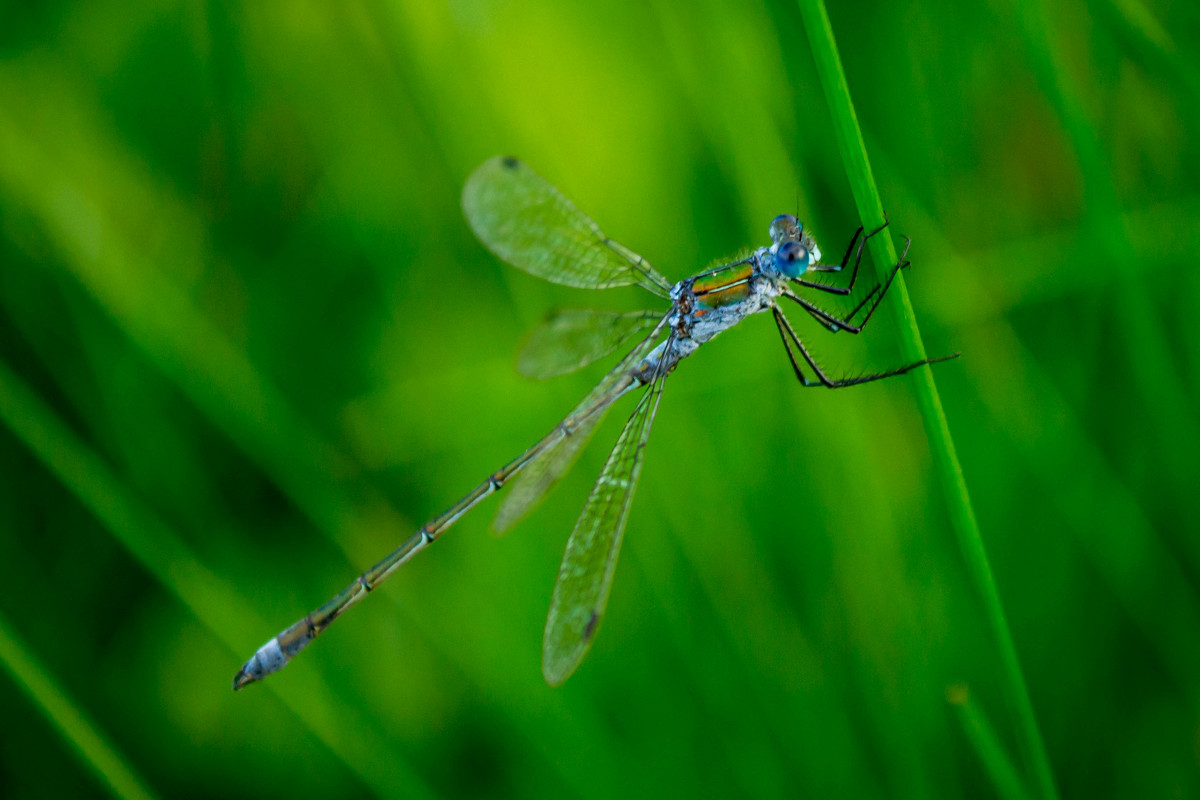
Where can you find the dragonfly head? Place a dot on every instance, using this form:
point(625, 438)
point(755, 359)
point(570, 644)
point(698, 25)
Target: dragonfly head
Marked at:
point(792, 248)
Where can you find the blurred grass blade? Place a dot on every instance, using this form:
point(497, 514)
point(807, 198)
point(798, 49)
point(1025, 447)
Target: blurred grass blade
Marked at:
point(84, 188)
point(866, 196)
point(72, 723)
point(1150, 361)
point(1110, 525)
point(157, 548)
point(1105, 517)
point(1150, 44)
point(979, 730)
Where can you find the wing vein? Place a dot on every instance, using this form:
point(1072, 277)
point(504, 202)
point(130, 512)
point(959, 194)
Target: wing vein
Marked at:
point(585, 577)
point(539, 477)
point(524, 220)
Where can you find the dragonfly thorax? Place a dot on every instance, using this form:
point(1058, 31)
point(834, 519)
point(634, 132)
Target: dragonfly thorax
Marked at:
point(706, 305)
point(712, 302)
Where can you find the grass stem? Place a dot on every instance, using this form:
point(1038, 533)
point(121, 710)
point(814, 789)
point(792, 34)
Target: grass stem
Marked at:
point(979, 730)
point(164, 554)
point(966, 527)
point(103, 758)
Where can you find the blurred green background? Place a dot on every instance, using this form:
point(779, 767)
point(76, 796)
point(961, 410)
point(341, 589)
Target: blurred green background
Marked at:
point(248, 344)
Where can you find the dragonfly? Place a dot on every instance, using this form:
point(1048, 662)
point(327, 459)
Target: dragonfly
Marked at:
point(528, 223)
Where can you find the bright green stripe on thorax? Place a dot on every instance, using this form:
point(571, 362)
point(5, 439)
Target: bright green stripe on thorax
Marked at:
point(723, 287)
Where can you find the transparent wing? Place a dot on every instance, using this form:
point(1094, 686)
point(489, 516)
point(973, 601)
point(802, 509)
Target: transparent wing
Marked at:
point(535, 481)
point(528, 223)
point(585, 577)
point(572, 338)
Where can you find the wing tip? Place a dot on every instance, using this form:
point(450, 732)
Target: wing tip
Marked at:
point(557, 670)
point(502, 524)
point(558, 662)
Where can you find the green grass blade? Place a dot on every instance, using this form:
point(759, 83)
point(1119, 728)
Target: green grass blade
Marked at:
point(1149, 43)
point(348, 735)
point(979, 730)
point(1107, 520)
point(1150, 362)
point(1112, 528)
point(103, 758)
point(866, 196)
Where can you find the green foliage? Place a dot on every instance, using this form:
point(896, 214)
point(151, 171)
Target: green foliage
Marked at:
point(248, 343)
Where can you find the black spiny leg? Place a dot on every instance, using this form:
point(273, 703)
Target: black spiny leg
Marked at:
point(839, 267)
point(835, 323)
point(780, 322)
point(786, 331)
point(845, 259)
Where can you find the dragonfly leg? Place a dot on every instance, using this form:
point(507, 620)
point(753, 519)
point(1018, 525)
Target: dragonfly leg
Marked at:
point(836, 323)
point(786, 331)
point(858, 252)
point(845, 259)
point(780, 322)
point(902, 263)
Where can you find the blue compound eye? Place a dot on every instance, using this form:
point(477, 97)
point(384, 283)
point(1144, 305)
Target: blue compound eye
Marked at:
point(792, 258)
point(785, 228)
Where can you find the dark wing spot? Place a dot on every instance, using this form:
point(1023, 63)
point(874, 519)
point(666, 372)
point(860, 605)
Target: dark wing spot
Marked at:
point(590, 628)
point(510, 162)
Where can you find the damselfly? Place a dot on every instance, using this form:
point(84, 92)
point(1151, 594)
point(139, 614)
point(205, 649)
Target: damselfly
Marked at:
point(528, 223)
